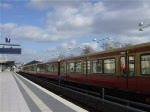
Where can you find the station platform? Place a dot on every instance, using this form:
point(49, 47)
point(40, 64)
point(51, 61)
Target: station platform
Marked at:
point(18, 94)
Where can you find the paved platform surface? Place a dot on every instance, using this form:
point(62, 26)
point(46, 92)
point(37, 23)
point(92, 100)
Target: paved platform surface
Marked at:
point(18, 94)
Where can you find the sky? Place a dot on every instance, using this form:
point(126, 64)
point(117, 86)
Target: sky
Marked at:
point(46, 28)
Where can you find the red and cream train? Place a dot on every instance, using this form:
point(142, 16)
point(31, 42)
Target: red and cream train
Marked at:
point(126, 68)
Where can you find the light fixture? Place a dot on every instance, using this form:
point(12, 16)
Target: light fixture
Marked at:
point(141, 24)
point(94, 39)
point(109, 38)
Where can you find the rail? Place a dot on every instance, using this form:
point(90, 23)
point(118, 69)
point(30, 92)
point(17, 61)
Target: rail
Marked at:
point(127, 102)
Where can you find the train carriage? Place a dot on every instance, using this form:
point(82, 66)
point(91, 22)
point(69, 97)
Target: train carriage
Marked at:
point(41, 69)
point(126, 69)
point(30, 69)
point(75, 71)
point(52, 69)
point(105, 68)
point(49, 70)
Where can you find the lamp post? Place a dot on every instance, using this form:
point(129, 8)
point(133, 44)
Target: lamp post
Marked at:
point(141, 24)
point(1, 37)
point(1, 55)
point(102, 40)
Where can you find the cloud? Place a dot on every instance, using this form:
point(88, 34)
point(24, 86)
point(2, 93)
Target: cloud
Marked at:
point(93, 45)
point(72, 47)
point(6, 6)
point(81, 19)
point(45, 4)
point(116, 19)
point(75, 19)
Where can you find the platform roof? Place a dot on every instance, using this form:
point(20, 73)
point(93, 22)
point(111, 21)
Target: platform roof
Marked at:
point(33, 62)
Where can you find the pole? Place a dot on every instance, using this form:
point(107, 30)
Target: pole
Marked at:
point(1, 66)
point(126, 58)
point(86, 69)
point(103, 93)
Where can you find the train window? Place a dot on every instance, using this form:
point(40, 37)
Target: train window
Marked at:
point(97, 66)
point(68, 67)
point(63, 67)
point(55, 67)
point(50, 68)
point(72, 67)
point(109, 66)
point(42, 69)
point(38, 69)
point(88, 67)
point(78, 67)
point(145, 64)
point(131, 65)
point(34, 68)
point(123, 65)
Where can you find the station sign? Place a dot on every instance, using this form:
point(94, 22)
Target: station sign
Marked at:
point(10, 50)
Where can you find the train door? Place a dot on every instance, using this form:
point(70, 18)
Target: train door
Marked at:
point(59, 72)
point(59, 69)
point(86, 68)
point(127, 71)
point(63, 70)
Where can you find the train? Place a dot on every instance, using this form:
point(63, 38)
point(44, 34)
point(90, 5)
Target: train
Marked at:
point(121, 71)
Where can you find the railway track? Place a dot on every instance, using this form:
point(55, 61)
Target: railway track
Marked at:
point(92, 101)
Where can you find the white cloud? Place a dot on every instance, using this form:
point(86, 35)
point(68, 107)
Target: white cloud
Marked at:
point(73, 47)
point(75, 19)
point(44, 4)
point(4, 5)
point(81, 19)
point(93, 45)
point(98, 19)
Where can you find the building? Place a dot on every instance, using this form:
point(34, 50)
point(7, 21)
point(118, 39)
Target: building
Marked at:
point(6, 65)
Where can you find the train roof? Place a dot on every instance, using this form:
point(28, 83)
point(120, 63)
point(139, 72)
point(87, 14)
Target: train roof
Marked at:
point(34, 62)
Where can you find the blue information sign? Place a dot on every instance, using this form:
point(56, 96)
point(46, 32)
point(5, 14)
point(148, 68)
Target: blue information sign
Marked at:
point(10, 50)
